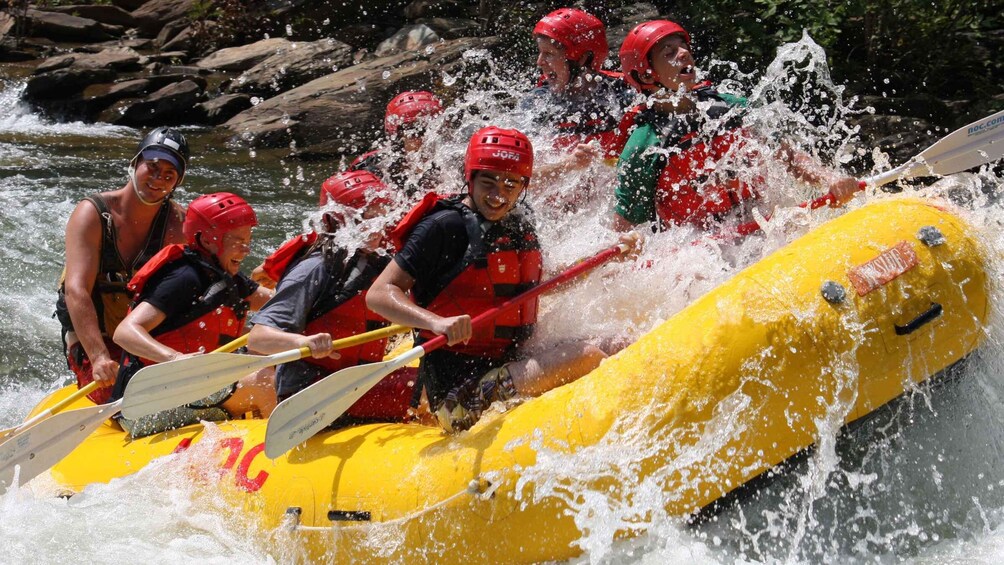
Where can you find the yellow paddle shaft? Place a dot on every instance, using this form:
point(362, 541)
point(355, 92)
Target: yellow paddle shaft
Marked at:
point(368, 336)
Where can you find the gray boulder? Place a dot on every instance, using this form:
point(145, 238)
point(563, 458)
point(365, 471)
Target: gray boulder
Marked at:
point(151, 17)
point(7, 22)
point(244, 57)
point(116, 58)
point(104, 95)
point(329, 114)
point(64, 27)
point(105, 14)
point(219, 110)
point(170, 31)
point(171, 105)
point(132, 43)
point(292, 66)
point(409, 38)
point(182, 41)
point(64, 82)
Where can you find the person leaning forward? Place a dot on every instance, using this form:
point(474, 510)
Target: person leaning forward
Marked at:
point(323, 278)
point(191, 299)
point(460, 256)
point(109, 236)
point(670, 172)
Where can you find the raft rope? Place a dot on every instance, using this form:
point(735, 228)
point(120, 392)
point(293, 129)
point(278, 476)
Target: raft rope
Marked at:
point(474, 488)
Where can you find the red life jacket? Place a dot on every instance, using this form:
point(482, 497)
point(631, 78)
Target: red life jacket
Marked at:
point(218, 317)
point(341, 311)
point(683, 193)
point(275, 265)
point(498, 264)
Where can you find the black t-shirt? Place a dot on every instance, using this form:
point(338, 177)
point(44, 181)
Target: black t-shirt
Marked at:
point(177, 290)
point(432, 250)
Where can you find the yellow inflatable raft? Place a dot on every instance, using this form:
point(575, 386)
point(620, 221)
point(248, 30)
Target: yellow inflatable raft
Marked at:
point(827, 329)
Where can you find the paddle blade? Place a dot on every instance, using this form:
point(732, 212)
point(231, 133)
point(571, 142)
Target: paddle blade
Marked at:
point(299, 417)
point(168, 385)
point(41, 446)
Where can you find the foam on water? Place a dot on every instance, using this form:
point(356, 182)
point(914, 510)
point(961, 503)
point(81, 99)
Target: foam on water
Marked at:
point(158, 515)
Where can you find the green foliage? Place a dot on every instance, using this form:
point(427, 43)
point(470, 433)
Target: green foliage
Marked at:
point(945, 48)
point(225, 23)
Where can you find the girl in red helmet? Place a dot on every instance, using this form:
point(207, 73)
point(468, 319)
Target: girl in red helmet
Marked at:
point(321, 297)
point(577, 100)
point(405, 122)
point(460, 256)
point(191, 299)
point(108, 237)
point(667, 171)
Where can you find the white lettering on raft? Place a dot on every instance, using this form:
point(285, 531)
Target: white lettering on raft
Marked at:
point(890, 264)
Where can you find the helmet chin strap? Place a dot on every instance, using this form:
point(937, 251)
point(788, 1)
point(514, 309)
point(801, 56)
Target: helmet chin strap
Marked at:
point(135, 189)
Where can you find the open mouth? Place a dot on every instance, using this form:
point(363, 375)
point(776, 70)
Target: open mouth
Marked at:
point(496, 201)
point(688, 71)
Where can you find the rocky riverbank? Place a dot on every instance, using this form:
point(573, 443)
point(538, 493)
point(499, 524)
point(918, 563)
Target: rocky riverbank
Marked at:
point(311, 76)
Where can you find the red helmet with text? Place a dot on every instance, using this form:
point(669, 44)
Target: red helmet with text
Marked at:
point(496, 149)
point(213, 215)
point(578, 32)
point(638, 44)
point(406, 108)
point(355, 189)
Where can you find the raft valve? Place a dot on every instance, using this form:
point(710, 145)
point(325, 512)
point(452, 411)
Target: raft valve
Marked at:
point(931, 236)
point(833, 292)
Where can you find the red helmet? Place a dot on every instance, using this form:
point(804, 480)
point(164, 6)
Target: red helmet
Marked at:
point(497, 149)
point(213, 215)
point(637, 45)
point(408, 107)
point(578, 32)
point(355, 189)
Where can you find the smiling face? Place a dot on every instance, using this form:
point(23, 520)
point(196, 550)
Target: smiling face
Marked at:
point(494, 193)
point(155, 179)
point(553, 63)
point(673, 63)
point(231, 250)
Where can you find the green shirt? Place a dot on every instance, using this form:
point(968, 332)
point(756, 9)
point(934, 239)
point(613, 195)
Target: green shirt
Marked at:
point(638, 175)
point(640, 165)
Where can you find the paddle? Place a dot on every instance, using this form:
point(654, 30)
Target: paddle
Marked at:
point(302, 415)
point(4, 434)
point(976, 144)
point(167, 385)
point(39, 447)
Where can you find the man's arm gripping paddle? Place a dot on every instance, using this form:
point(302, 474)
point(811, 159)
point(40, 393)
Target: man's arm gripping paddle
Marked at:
point(302, 415)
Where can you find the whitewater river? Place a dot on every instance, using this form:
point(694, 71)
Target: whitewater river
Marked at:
point(921, 482)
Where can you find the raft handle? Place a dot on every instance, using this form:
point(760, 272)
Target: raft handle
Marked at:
point(291, 518)
point(349, 515)
point(929, 316)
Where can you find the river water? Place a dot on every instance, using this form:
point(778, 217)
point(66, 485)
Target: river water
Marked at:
point(922, 481)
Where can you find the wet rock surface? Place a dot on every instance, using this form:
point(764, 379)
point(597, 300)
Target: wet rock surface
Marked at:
point(306, 74)
point(330, 113)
